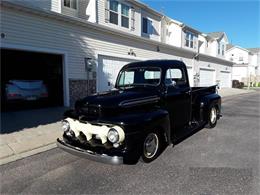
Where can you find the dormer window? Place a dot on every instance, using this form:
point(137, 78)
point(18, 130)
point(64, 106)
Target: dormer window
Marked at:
point(125, 15)
point(145, 25)
point(119, 14)
point(223, 50)
point(70, 4)
point(113, 12)
point(218, 48)
point(189, 39)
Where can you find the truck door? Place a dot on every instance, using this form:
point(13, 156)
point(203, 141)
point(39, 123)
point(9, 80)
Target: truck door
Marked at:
point(178, 99)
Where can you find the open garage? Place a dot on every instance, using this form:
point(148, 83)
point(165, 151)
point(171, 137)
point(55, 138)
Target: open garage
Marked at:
point(30, 79)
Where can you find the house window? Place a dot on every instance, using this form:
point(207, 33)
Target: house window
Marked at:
point(189, 40)
point(125, 15)
point(240, 58)
point(70, 3)
point(145, 25)
point(223, 50)
point(113, 12)
point(219, 48)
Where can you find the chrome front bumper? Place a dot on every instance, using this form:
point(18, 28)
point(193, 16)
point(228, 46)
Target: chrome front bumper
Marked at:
point(103, 158)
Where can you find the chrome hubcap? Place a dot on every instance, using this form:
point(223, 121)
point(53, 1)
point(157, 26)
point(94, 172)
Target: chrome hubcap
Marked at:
point(151, 145)
point(213, 115)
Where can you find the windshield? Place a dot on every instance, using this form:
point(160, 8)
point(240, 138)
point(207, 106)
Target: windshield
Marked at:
point(139, 76)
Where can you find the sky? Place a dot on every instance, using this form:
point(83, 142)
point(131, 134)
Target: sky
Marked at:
point(240, 19)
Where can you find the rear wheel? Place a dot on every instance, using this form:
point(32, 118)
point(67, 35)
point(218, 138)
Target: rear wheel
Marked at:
point(152, 147)
point(212, 117)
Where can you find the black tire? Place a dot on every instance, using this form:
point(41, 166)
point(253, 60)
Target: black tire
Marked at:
point(149, 154)
point(212, 117)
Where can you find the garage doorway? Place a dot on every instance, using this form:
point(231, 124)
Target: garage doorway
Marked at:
point(207, 77)
point(30, 80)
point(225, 79)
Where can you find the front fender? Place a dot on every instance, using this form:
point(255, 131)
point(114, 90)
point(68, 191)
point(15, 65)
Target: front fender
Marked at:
point(142, 122)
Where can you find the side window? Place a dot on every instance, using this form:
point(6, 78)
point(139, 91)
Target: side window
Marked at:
point(175, 75)
point(126, 78)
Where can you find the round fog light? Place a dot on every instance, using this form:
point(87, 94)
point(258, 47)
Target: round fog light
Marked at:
point(113, 136)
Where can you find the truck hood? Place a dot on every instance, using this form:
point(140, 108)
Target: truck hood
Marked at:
point(121, 98)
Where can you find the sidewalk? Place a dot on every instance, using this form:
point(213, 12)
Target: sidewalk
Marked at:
point(25, 133)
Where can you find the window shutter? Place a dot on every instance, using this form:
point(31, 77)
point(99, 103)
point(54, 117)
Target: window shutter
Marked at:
point(106, 11)
point(132, 18)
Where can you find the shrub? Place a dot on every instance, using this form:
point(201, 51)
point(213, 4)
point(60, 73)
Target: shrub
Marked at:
point(241, 85)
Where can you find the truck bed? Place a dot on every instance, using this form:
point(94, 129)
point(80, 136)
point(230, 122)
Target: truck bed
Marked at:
point(197, 92)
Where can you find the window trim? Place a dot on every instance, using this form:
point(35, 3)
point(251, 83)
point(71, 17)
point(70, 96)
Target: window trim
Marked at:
point(119, 14)
point(188, 38)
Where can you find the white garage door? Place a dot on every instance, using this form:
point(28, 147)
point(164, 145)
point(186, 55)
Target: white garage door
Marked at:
point(207, 77)
point(108, 69)
point(190, 75)
point(225, 79)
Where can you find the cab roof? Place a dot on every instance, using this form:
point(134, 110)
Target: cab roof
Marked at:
point(163, 64)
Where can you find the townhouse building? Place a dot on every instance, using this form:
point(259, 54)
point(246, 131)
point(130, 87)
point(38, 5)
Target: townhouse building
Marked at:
point(77, 47)
point(208, 65)
point(246, 63)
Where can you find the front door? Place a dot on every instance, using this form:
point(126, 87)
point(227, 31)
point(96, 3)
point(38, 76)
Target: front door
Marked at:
point(178, 100)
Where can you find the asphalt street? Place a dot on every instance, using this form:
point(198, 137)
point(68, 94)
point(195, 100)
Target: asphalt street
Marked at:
point(223, 160)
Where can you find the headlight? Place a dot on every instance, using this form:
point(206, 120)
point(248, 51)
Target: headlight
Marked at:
point(113, 136)
point(65, 125)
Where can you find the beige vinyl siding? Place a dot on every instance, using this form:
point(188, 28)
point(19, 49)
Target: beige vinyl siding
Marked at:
point(77, 41)
point(50, 5)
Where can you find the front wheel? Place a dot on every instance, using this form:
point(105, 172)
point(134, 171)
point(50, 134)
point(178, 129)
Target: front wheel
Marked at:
point(212, 117)
point(152, 147)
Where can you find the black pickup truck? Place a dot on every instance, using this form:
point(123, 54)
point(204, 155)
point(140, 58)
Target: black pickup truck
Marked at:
point(151, 107)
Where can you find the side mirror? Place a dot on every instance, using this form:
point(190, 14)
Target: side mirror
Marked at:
point(173, 83)
point(170, 83)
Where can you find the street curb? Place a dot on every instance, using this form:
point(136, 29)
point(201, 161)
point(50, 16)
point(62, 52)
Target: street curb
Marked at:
point(16, 157)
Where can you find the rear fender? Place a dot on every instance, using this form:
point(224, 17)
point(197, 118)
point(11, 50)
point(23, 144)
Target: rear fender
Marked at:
point(206, 102)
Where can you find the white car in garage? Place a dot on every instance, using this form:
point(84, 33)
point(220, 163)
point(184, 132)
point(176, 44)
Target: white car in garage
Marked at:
point(26, 90)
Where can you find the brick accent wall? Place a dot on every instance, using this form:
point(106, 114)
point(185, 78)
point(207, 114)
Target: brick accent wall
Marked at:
point(79, 89)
